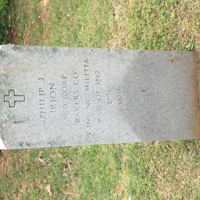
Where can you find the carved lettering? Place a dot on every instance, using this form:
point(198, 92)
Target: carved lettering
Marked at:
point(88, 102)
point(88, 121)
point(76, 97)
point(65, 95)
point(42, 100)
point(66, 111)
point(98, 95)
point(53, 104)
point(98, 77)
point(87, 75)
point(99, 113)
point(73, 93)
point(65, 89)
point(77, 114)
point(75, 76)
point(109, 96)
point(120, 97)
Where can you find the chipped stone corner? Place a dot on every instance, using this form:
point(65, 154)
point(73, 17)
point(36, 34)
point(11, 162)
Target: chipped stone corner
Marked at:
point(2, 146)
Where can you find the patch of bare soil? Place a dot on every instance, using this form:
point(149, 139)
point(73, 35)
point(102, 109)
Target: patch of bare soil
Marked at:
point(4, 160)
point(43, 7)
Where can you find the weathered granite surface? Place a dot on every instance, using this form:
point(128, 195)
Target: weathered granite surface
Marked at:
point(51, 96)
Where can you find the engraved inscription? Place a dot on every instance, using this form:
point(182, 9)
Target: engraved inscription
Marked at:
point(98, 96)
point(77, 111)
point(53, 96)
point(79, 97)
point(120, 97)
point(12, 98)
point(65, 95)
point(109, 96)
point(88, 100)
point(42, 100)
point(87, 75)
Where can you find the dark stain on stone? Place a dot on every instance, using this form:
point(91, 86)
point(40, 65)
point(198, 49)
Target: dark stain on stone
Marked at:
point(17, 47)
point(173, 58)
point(55, 50)
point(24, 144)
point(3, 54)
point(153, 112)
point(19, 122)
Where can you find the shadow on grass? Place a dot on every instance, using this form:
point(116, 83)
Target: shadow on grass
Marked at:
point(4, 21)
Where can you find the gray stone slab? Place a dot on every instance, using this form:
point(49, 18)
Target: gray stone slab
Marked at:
point(51, 96)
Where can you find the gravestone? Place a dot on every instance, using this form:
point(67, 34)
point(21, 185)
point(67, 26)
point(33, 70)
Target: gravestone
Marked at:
point(52, 96)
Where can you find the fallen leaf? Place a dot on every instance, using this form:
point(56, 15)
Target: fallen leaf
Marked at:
point(69, 15)
point(48, 188)
point(42, 162)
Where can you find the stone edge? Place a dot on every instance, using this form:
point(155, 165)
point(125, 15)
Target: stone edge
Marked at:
point(196, 97)
point(2, 146)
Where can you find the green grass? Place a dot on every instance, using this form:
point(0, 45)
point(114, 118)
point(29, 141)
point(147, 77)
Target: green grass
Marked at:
point(3, 21)
point(156, 170)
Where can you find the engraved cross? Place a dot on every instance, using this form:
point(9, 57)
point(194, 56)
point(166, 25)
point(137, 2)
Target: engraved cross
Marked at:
point(11, 98)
